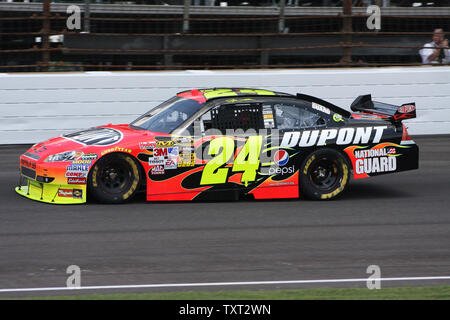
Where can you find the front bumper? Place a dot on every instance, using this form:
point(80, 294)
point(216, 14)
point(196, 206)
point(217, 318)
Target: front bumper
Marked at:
point(52, 193)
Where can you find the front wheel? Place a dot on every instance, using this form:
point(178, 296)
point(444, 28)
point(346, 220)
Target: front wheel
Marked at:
point(324, 175)
point(114, 178)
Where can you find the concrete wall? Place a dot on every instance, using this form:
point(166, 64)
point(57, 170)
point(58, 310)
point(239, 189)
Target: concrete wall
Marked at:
point(34, 107)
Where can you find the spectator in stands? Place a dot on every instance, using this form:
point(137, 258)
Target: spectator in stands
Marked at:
point(437, 51)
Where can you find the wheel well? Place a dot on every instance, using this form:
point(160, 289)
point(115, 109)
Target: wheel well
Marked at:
point(343, 153)
point(139, 164)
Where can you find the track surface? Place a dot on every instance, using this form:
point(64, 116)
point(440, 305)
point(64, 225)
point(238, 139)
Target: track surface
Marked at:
point(400, 222)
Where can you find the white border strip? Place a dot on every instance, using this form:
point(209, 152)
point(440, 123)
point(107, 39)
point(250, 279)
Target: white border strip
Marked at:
point(210, 284)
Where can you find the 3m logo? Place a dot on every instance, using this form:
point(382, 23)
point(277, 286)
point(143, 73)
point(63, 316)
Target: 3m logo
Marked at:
point(160, 152)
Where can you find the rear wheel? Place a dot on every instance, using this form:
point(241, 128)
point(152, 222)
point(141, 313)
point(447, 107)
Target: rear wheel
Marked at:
point(325, 175)
point(114, 178)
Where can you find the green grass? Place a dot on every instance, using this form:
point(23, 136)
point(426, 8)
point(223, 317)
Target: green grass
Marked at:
point(399, 293)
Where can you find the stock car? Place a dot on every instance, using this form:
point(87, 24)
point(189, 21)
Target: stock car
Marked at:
point(224, 143)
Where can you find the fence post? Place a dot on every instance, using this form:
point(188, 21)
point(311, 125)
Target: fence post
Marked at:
point(87, 15)
point(45, 35)
point(281, 21)
point(347, 27)
point(187, 8)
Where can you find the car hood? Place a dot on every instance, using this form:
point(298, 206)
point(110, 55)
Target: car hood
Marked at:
point(93, 140)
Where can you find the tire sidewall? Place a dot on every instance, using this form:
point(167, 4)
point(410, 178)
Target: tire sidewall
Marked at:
point(307, 187)
point(95, 189)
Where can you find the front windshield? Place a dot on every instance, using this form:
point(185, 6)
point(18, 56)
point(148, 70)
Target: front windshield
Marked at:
point(167, 116)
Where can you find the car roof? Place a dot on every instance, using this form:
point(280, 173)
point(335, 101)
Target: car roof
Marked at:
point(204, 95)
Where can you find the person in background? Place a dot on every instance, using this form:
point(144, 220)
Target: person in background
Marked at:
point(437, 51)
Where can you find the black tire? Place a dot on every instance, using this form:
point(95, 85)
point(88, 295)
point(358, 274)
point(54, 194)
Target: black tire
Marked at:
point(115, 178)
point(324, 175)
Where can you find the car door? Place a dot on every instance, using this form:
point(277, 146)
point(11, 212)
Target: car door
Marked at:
point(217, 157)
point(229, 147)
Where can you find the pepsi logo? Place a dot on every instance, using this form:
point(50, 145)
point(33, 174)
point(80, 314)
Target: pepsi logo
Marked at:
point(281, 157)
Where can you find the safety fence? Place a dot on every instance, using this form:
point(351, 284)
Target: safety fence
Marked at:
point(87, 37)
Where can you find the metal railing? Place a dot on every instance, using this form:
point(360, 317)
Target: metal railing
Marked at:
point(345, 31)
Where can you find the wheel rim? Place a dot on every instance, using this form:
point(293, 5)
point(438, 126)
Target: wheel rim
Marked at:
point(115, 177)
point(324, 174)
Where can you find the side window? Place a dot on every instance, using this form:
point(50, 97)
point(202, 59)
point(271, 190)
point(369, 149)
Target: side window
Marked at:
point(233, 116)
point(293, 116)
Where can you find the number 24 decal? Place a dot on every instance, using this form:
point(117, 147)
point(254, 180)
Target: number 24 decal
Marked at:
point(247, 161)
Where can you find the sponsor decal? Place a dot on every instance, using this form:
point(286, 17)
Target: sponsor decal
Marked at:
point(147, 145)
point(78, 167)
point(187, 160)
point(65, 193)
point(269, 124)
point(374, 161)
point(375, 165)
point(156, 160)
point(391, 151)
point(160, 152)
point(281, 183)
point(27, 163)
point(80, 161)
point(269, 121)
point(372, 153)
point(342, 136)
point(76, 174)
point(164, 142)
point(76, 181)
point(186, 150)
point(115, 149)
point(170, 164)
point(157, 170)
point(77, 194)
point(173, 152)
point(337, 117)
point(407, 108)
point(99, 136)
point(89, 156)
point(281, 157)
point(320, 108)
point(279, 170)
point(77, 170)
point(183, 141)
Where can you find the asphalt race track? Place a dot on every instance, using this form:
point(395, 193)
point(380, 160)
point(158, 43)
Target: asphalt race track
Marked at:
point(400, 222)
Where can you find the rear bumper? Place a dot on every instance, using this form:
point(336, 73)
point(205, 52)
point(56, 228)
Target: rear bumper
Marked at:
point(383, 158)
point(52, 193)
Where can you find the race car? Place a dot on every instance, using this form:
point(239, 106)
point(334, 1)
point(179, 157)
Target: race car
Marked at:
point(224, 143)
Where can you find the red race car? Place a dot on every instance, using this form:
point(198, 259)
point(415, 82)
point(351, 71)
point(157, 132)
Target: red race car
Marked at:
point(224, 144)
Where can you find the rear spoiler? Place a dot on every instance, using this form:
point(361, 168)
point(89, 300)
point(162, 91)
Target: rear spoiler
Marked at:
point(392, 112)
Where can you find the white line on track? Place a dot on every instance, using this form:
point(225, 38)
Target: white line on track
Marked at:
point(211, 284)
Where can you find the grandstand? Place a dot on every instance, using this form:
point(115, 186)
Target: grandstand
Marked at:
point(171, 35)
